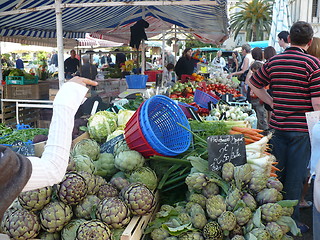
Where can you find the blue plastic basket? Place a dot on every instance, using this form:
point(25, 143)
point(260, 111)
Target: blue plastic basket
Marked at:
point(136, 81)
point(159, 116)
point(201, 98)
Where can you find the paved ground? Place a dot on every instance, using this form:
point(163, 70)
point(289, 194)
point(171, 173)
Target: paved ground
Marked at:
point(306, 217)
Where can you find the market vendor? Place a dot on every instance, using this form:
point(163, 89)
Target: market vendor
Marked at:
point(185, 64)
point(71, 65)
point(20, 173)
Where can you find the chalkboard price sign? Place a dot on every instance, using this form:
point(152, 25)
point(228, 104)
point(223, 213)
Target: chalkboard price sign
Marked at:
point(226, 148)
point(23, 148)
point(108, 147)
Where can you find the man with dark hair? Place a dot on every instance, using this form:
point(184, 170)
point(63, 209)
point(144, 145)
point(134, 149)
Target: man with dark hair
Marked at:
point(295, 79)
point(283, 39)
point(71, 64)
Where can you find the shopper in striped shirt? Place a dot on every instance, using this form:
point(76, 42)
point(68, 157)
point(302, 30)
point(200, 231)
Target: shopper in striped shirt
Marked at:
point(294, 77)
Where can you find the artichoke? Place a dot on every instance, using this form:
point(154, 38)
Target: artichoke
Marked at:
point(249, 200)
point(171, 238)
point(70, 230)
point(84, 163)
point(159, 234)
point(194, 208)
point(267, 195)
point(139, 198)
point(20, 224)
point(99, 181)
point(107, 190)
point(196, 181)
point(242, 175)
point(71, 165)
point(119, 181)
point(227, 171)
point(274, 230)
point(90, 181)
point(86, 207)
point(35, 200)
point(87, 147)
point(93, 229)
point(198, 198)
point(215, 206)
point(257, 183)
point(274, 183)
point(210, 189)
point(114, 212)
point(287, 211)
point(243, 215)
point(54, 216)
point(233, 198)
point(120, 146)
point(260, 233)
point(72, 189)
point(184, 218)
point(199, 220)
point(104, 165)
point(237, 230)
point(227, 221)
point(191, 236)
point(146, 176)
point(212, 231)
point(129, 160)
point(43, 235)
point(271, 212)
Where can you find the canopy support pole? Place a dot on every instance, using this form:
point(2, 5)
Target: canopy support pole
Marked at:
point(1, 76)
point(163, 55)
point(143, 46)
point(58, 11)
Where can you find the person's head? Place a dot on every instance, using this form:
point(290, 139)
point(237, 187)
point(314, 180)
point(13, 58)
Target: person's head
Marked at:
point(257, 54)
point(72, 53)
point(187, 52)
point(235, 54)
point(301, 34)
point(219, 53)
point(314, 48)
point(246, 48)
point(269, 52)
point(170, 67)
point(283, 39)
point(85, 58)
point(255, 66)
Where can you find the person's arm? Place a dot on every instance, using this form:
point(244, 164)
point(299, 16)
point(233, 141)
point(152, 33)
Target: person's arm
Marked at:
point(315, 103)
point(51, 167)
point(222, 62)
point(245, 67)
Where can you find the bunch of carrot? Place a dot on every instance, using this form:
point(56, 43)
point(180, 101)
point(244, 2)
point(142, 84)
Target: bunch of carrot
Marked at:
point(251, 135)
point(256, 148)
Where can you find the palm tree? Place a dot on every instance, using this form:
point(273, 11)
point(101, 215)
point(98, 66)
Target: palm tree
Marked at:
point(254, 17)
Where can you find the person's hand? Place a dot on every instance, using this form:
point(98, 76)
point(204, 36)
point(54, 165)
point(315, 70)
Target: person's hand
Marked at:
point(83, 81)
point(229, 76)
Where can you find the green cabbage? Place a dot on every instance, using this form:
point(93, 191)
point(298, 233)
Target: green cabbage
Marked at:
point(102, 124)
point(129, 160)
point(105, 165)
point(87, 147)
point(115, 134)
point(124, 116)
point(84, 163)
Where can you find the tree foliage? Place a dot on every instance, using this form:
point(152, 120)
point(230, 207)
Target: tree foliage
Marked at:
point(254, 17)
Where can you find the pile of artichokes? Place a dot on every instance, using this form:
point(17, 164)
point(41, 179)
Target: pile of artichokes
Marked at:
point(84, 205)
point(251, 207)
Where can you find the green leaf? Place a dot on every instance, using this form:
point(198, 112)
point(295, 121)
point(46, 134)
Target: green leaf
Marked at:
point(176, 231)
point(83, 128)
point(286, 220)
point(288, 203)
point(198, 163)
point(250, 236)
point(257, 218)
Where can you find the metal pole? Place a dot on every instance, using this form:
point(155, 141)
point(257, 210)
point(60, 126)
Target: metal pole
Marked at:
point(143, 46)
point(1, 77)
point(58, 11)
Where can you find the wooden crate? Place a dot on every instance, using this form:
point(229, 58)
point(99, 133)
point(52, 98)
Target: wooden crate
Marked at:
point(26, 92)
point(28, 116)
point(137, 225)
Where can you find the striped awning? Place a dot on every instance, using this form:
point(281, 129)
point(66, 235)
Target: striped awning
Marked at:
point(96, 43)
point(110, 20)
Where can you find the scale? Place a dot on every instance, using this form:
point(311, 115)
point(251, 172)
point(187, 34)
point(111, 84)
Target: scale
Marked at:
point(132, 93)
